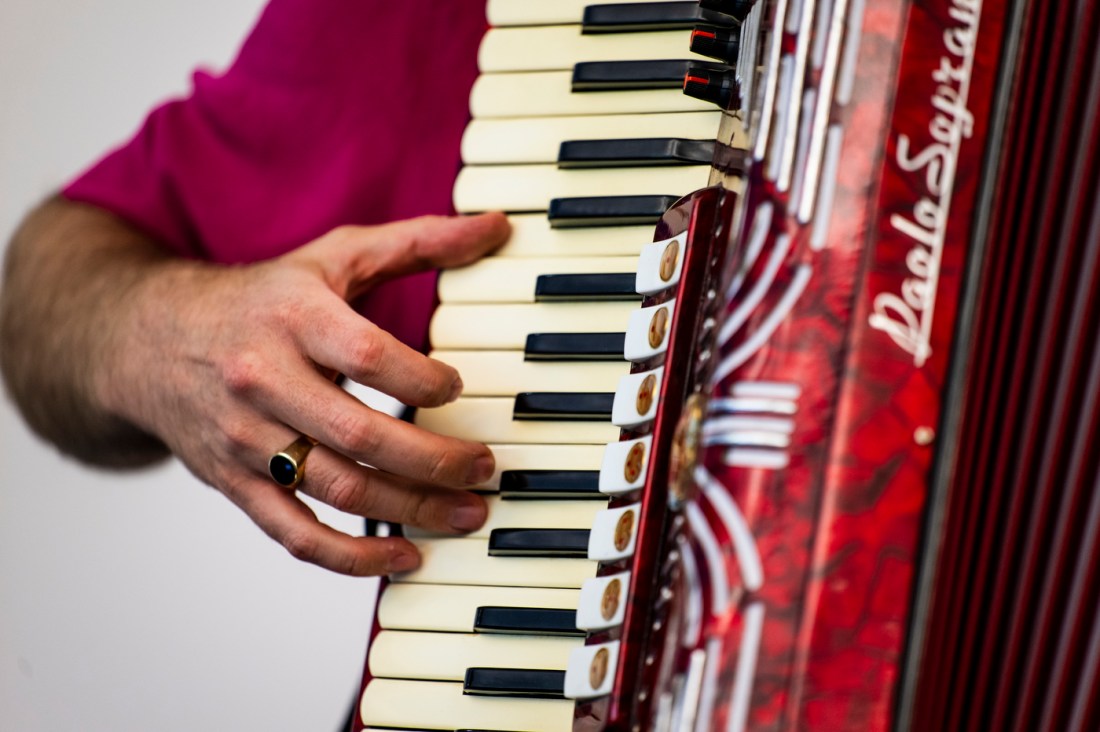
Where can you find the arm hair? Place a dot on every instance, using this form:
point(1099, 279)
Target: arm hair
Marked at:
point(68, 274)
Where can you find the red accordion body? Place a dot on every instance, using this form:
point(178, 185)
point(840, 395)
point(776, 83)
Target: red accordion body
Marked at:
point(872, 501)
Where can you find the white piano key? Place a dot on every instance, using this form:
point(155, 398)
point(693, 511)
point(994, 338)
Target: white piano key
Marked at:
point(489, 419)
point(602, 602)
point(467, 562)
point(648, 331)
point(550, 93)
point(505, 279)
point(531, 187)
point(636, 398)
point(591, 671)
point(451, 608)
point(540, 514)
point(438, 705)
point(533, 237)
point(624, 465)
point(402, 654)
point(538, 139)
point(560, 47)
point(505, 373)
point(614, 533)
point(525, 12)
point(660, 264)
point(543, 457)
point(506, 327)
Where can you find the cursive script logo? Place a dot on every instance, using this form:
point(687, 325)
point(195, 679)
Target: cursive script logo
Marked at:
point(906, 315)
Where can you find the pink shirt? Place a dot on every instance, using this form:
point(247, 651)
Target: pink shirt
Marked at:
point(334, 112)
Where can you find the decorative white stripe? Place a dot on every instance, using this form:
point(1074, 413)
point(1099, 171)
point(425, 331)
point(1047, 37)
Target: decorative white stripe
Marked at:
point(712, 553)
point(773, 164)
point(820, 234)
point(748, 438)
point(744, 457)
point(757, 340)
point(662, 718)
point(767, 108)
point(800, 181)
point(693, 612)
point(794, 17)
point(798, 83)
point(824, 12)
point(767, 389)
point(749, 91)
point(759, 290)
point(746, 667)
point(821, 114)
point(687, 702)
point(758, 235)
point(726, 405)
point(759, 424)
point(710, 686)
point(744, 545)
point(851, 54)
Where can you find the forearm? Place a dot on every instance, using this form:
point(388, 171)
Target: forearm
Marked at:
point(68, 279)
point(119, 352)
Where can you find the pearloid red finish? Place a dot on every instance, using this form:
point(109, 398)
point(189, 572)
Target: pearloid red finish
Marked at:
point(838, 529)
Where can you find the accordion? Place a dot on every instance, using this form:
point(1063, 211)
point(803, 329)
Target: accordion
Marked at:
point(816, 453)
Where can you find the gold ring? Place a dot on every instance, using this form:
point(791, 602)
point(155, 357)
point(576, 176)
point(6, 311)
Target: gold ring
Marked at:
point(287, 467)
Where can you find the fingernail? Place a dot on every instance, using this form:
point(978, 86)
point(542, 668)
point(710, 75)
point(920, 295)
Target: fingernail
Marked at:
point(403, 561)
point(467, 518)
point(456, 390)
point(481, 470)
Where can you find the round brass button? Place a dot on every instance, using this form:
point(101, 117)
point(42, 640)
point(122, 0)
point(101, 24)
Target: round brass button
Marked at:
point(658, 325)
point(597, 672)
point(609, 604)
point(668, 261)
point(624, 529)
point(632, 468)
point(645, 395)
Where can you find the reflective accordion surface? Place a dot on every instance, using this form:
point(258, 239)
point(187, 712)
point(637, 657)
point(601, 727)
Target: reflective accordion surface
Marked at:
point(792, 379)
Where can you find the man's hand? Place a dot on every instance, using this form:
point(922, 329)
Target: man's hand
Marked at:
point(228, 365)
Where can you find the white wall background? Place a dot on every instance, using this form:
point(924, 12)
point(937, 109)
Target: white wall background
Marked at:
point(141, 602)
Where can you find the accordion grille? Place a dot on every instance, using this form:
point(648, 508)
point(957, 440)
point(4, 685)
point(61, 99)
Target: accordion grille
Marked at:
point(1013, 631)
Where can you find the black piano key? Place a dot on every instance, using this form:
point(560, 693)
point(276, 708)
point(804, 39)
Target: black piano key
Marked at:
point(563, 543)
point(601, 286)
point(634, 152)
point(719, 87)
point(574, 347)
point(622, 75)
point(526, 620)
point(549, 484)
point(719, 43)
point(608, 210)
point(737, 9)
point(564, 405)
point(514, 682)
point(628, 17)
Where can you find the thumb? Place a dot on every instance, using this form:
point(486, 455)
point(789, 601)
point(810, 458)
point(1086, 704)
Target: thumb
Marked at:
point(355, 258)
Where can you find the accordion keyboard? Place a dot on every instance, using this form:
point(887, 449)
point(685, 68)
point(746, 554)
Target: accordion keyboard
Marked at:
point(584, 138)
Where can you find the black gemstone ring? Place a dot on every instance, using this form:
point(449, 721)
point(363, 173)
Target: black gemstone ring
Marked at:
point(287, 467)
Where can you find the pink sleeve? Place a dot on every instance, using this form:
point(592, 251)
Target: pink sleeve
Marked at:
point(334, 112)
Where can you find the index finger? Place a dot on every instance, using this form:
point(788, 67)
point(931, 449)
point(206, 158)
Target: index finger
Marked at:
point(355, 258)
